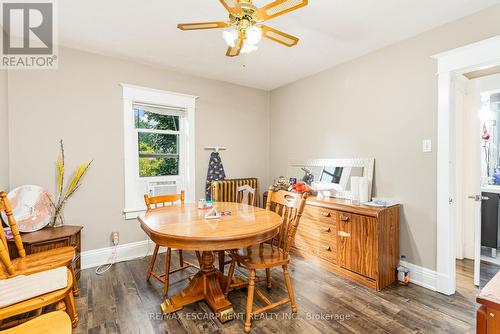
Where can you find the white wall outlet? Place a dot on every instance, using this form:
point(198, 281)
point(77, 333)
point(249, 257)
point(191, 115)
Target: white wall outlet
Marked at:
point(115, 237)
point(426, 146)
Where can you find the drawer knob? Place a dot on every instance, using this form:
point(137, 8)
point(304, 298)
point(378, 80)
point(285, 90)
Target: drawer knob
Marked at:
point(327, 248)
point(326, 230)
point(344, 218)
point(344, 234)
point(325, 213)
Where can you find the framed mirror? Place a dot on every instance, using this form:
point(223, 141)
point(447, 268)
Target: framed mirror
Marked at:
point(333, 175)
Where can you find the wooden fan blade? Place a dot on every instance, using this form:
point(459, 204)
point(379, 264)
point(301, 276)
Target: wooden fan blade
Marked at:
point(279, 36)
point(279, 7)
point(203, 25)
point(232, 6)
point(233, 52)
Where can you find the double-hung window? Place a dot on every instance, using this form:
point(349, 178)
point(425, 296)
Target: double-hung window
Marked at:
point(158, 141)
point(159, 145)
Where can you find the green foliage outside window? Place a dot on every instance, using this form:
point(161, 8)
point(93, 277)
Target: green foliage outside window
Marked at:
point(158, 166)
point(158, 152)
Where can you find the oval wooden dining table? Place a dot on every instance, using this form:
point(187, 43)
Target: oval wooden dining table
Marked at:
point(185, 227)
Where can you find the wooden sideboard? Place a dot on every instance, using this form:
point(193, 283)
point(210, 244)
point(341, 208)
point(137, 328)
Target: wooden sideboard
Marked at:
point(358, 242)
point(50, 238)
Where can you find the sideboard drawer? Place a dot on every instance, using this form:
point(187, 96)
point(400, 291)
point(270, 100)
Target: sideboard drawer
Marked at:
point(324, 215)
point(326, 249)
point(316, 230)
point(328, 252)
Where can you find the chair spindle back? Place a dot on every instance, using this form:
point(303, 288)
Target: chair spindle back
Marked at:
point(4, 252)
point(4, 257)
point(7, 209)
point(290, 207)
point(246, 195)
point(2, 232)
point(153, 202)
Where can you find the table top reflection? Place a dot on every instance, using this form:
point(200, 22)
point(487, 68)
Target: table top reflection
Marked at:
point(184, 226)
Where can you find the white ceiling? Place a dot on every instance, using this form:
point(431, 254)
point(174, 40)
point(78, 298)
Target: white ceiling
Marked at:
point(331, 32)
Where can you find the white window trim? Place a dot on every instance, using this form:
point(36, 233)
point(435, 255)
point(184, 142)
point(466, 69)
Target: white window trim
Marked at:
point(137, 94)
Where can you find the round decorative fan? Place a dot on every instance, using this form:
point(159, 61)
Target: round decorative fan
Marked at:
point(31, 207)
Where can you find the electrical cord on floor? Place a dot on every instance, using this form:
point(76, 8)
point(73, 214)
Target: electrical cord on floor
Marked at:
point(111, 260)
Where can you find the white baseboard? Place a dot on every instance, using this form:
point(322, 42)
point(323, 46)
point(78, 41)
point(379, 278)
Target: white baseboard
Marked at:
point(421, 276)
point(125, 252)
point(418, 275)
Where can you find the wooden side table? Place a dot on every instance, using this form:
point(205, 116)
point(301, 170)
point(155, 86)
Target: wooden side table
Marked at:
point(50, 238)
point(488, 314)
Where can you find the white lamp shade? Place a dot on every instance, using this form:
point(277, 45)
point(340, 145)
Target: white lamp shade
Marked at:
point(247, 47)
point(254, 35)
point(230, 37)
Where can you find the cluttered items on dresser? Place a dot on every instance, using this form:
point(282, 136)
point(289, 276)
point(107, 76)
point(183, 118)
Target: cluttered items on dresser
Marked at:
point(340, 178)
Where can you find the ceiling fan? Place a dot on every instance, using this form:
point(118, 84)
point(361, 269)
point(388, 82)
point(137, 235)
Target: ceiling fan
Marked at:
point(245, 24)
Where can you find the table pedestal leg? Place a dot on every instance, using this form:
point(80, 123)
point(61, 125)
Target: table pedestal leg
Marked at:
point(205, 285)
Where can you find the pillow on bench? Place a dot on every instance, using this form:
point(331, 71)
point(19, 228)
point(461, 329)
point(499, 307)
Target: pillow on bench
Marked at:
point(20, 288)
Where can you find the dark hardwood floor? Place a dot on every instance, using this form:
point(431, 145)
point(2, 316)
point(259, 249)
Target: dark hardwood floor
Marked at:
point(121, 301)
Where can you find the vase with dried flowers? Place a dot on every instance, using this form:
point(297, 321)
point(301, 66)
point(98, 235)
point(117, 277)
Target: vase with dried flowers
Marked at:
point(64, 194)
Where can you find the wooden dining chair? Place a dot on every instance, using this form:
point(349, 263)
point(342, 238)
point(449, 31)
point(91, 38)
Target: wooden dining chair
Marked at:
point(33, 263)
point(56, 322)
point(158, 202)
point(273, 254)
point(62, 298)
point(244, 194)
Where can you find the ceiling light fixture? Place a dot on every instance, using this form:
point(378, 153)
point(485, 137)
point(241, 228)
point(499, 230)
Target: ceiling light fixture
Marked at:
point(253, 35)
point(245, 24)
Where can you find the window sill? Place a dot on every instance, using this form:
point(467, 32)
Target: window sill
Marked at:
point(133, 213)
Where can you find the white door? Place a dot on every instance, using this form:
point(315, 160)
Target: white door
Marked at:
point(468, 174)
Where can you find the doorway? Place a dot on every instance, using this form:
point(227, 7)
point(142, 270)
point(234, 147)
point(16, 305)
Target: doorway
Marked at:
point(477, 155)
point(451, 65)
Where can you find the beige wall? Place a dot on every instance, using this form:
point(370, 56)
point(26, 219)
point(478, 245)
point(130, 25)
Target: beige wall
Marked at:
point(381, 105)
point(81, 103)
point(4, 134)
